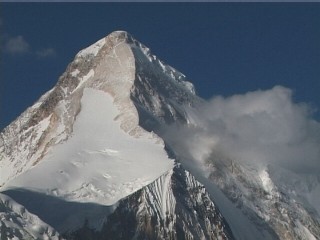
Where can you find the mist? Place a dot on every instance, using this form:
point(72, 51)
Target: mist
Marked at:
point(260, 127)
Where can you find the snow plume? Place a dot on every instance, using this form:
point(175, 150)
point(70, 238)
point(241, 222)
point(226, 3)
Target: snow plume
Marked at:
point(260, 127)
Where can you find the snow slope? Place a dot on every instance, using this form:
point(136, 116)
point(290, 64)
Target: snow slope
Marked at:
point(99, 163)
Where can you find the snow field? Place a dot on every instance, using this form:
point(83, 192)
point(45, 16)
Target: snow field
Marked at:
point(100, 163)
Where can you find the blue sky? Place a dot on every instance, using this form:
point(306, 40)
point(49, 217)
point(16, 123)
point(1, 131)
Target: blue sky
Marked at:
point(223, 48)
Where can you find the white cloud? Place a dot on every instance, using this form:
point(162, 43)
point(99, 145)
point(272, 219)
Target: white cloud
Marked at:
point(16, 45)
point(19, 46)
point(46, 52)
point(261, 127)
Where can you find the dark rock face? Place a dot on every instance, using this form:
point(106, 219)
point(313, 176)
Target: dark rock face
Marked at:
point(160, 92)
point(196, 213)
point(139, 216)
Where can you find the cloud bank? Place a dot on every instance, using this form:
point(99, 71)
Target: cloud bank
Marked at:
point(261, 127)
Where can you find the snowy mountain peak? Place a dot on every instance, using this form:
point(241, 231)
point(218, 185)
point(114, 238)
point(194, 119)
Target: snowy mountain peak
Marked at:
point(93, 147)
point(91, 138)
point(111, 41)
point(116, 88)
point(121, 35)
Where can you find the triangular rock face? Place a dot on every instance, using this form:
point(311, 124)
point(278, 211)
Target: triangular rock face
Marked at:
point(87, 143)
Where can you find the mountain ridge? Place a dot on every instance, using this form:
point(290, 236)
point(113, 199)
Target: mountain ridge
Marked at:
point(77, 109)
point(97, 138)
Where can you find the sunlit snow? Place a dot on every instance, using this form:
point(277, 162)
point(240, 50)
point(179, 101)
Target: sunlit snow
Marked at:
point(100, 162)
point(75, 73)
